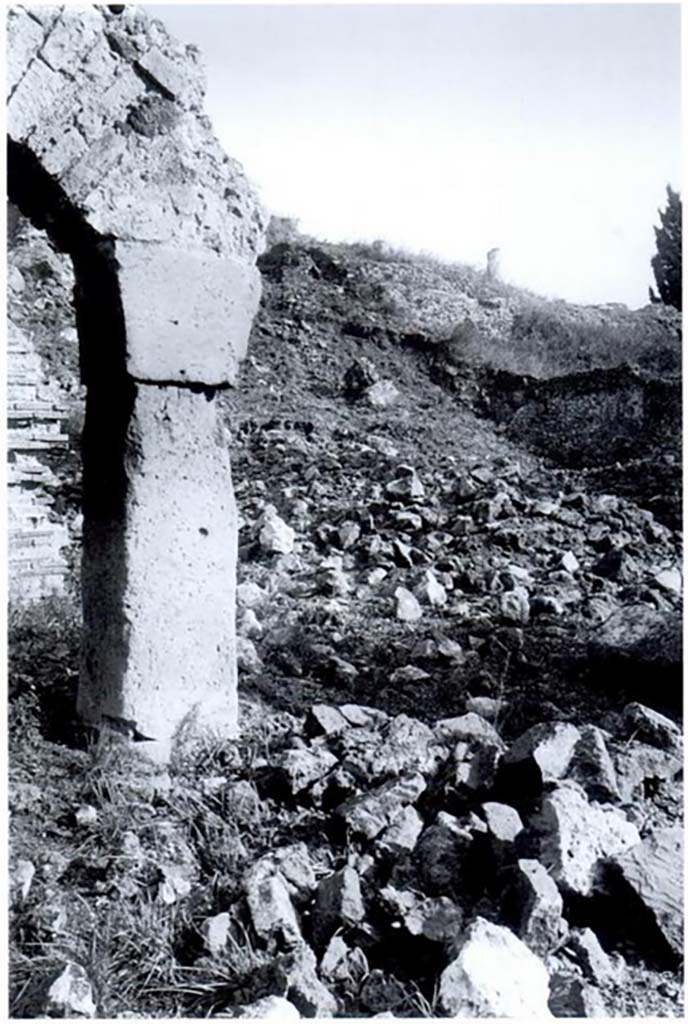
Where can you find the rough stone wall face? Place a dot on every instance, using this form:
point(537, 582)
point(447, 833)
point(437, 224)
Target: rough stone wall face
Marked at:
point(37, 567)
point(110, 152)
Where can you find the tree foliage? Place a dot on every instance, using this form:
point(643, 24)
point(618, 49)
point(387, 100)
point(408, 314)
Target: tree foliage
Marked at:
point(666, 263)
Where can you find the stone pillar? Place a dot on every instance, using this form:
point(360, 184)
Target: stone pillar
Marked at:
point(493, 271)
point(111, 154)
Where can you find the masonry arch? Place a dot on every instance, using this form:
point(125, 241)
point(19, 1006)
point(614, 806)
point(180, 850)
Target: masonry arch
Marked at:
point(110, 154)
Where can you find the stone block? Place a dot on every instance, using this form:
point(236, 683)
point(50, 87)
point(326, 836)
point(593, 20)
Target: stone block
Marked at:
point(187, 314)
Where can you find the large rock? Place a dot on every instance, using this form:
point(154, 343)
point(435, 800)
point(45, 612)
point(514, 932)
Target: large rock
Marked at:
point(295, 976)
point(338, 903)
point(372, 812)
point(494, 975)
point(576, 837)
point(532, 905)
point(270, 906)
point(642, 723)
point(651, 877)
point(541, 755)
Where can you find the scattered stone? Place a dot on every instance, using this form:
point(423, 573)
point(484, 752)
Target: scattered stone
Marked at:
point(569, 562)
point(249, 595)
point(642, 723)
point(540, 755)
point(173, 884)
point(438, 919)
point(372, 812)
point(338, 903)
point(71, 995)
point(215, 932)
point(407, 607)
point(86, 816)
point(472, 728)
point(571, 997)
point(575, 837)
point(298, 767)
point(583, 946)
point(269, 1008)
point(248, 659)
point(486, 707)
point(381, 394)
point(493, 974)
point(249, 625)
point(504, 825)
point(382, 993)
point(406, 485)
point(532, 905)
point(409, 674)
point(639, 766)
point(401, 836)
point(642, 635)
point(514, 605)
point(432, 590)
point(592, 767)
point(272, 912)
point(670, 580)
point(275, 535)
point(652, 873)
point(440, 854)
point(296, 976)
point(324, 720)
point(348, 533)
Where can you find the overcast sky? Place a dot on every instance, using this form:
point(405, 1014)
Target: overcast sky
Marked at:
point(547, 130)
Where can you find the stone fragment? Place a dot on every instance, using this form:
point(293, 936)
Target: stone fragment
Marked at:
point(575, 837)
point(504, 825)
point(298, 767)
point(360, 715)
point(247, 657)
point(382, 993)
point(274, 1008)
point(381, 394)
point(296, 976)
point(215, 932)
point(433, 591)
point(493, 974)
point(250, 595)
point(569, 562)
point(592, 767)
point(275, 535)
point(372, 812)
point(540, 755)
point(649, 726)
point(640, 766)
point(71, 995)
point(174, 883)
point(480, 772)
point(409, 674)
point(641, 635)
point(21, 879)
point(338, 903)
point(407, 607)
point(441, 853)
point(438, 919)
point(652, 873)
point(486, 707)
point(249, 625)
point(669, 580)
point(406, 485)
point(324, 720)
point(583, 947)
point(272, 912)
point(514, 606)
point(472, 728)
point(570, 996)
point(532, 906)
point(401, 836)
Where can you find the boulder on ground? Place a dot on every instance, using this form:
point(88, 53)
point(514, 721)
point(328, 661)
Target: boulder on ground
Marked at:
point(71, 995)
point(575, 837)
point(338, 904)
point(532, 906)
point(651, 877)
point(494, 974)
point(370, 813)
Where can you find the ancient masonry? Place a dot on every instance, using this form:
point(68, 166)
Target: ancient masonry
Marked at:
point(37, 567)
point(110, 153)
